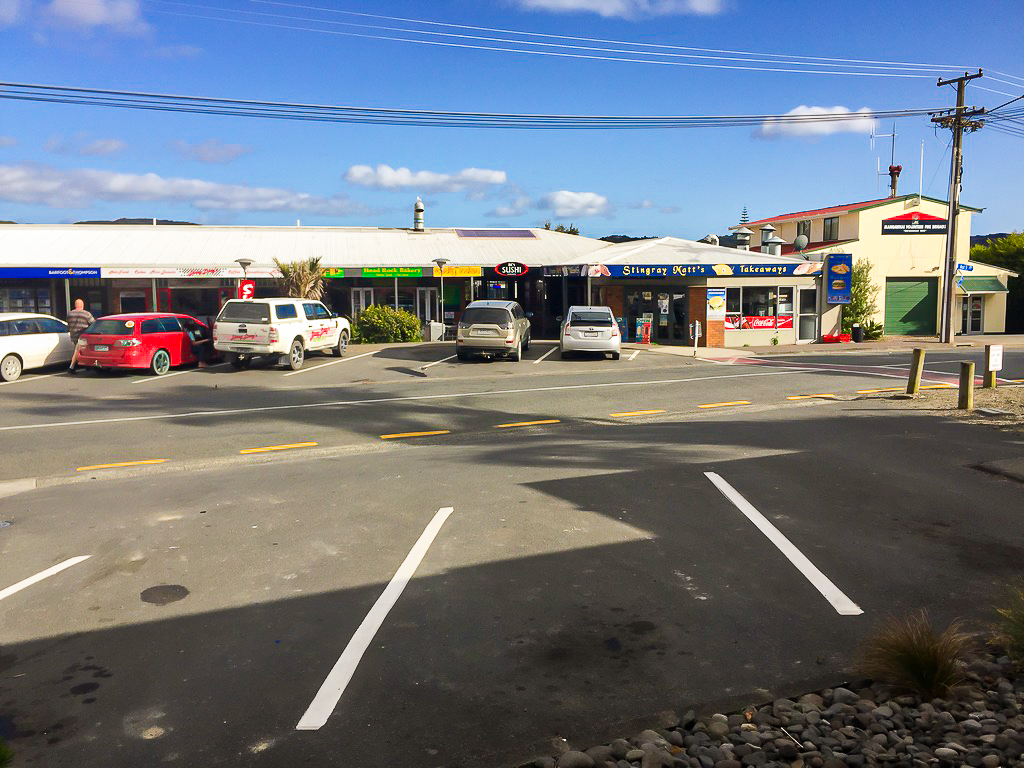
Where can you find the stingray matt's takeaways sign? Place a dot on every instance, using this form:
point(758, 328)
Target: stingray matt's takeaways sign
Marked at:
point(914, 223)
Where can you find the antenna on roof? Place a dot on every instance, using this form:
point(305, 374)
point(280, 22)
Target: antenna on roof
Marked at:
point(892, 160)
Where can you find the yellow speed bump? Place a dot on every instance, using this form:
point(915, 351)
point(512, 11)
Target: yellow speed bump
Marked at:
point(875, 391)
point(121, 464)
point(633, 413)
point(278, 447)
point(529, 423)
point(806, 397)
point(723, 405)
point(415, 434)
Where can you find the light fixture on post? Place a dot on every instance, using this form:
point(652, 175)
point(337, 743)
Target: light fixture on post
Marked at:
point(244, 264)
point(440, 261)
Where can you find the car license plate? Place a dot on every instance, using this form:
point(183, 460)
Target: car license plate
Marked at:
point(590, 334)
point(484, 332)
point(102, 348)
point(240, 349)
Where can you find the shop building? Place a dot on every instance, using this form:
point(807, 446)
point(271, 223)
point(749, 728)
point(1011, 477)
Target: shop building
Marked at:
point(904, 239)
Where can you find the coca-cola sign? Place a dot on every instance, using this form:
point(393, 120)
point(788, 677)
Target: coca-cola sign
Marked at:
point(511, 269)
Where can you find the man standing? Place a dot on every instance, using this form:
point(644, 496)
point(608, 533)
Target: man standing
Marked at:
point(78, 320)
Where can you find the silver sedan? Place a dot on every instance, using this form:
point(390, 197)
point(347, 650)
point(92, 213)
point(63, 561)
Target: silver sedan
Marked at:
point(590, 329)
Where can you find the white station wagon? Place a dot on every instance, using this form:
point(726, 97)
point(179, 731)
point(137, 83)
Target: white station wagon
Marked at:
point(283, 329)
point(31, 341)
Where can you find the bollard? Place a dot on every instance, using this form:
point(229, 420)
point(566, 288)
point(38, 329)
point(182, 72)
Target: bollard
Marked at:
point(966, 400)
point(916, 369)
point(988, 380)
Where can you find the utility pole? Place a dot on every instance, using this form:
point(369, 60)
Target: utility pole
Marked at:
point(958, 123)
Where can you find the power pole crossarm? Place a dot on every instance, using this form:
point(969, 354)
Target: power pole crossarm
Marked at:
point(957, 122)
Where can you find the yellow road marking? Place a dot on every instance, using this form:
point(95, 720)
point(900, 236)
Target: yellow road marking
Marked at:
point(806, 397)
point(121, 464)
point(873, 391)
point(415, 434)
point(278, 447)
point(633, 413)
point(529, 423)
point(722, 405)
point(938, 386)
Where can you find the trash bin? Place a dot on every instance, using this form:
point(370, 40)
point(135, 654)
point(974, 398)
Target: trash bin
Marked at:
point(858, 333)
point(433, 331)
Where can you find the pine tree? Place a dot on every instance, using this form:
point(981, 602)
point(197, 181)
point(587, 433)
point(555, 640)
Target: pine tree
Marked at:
point(744, 217)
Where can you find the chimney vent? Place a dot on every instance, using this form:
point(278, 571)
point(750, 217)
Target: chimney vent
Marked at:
point(417, 215)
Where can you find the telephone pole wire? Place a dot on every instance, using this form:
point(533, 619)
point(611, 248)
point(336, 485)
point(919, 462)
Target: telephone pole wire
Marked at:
point(958, 122)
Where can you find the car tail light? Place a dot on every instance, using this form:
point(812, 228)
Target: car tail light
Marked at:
point(274, 335)
point(615, 330)
point(129, 343)
point(567, 330)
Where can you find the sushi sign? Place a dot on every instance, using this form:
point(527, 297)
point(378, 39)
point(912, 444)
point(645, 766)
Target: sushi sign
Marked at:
point(915, 223)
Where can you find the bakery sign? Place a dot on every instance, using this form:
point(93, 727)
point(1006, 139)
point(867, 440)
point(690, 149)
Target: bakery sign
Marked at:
point(914, 223)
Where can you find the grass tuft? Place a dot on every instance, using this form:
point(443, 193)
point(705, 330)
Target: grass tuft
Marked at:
point(1010, 627)
point(910, 655)
point(6, 755)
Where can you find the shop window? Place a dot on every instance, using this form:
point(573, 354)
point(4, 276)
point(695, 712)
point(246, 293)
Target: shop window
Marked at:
point(804, 228)
point(784, 315)
point(758, 302)
point(831, 231)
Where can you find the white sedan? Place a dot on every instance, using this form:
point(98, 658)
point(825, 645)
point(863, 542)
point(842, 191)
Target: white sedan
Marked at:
point(590, 329)
point(31, 341)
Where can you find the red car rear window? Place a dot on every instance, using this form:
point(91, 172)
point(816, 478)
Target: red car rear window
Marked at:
point(112, 327)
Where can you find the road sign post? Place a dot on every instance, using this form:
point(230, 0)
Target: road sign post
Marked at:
point(993, 363)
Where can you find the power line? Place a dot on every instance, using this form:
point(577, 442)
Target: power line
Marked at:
point(392, 116)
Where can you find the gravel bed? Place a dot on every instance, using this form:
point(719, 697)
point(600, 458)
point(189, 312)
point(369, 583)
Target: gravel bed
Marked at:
point(837, 727)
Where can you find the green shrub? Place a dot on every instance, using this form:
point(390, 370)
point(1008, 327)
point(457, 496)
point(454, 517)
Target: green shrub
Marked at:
point(909, 655)
point(6, 755)
point(1010, 628)
point(380, 324)
point(873, 331)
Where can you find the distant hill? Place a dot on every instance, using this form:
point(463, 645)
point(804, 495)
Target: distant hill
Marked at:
point(141, 221)
point(625, 238)
point(980, 239)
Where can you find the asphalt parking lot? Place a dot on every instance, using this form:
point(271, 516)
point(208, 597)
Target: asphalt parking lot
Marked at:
point(603, 548)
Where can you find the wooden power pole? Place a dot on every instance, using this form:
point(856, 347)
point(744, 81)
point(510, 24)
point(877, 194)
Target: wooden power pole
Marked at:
point(958, 122)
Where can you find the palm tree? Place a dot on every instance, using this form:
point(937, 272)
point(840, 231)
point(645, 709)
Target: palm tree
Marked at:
point(302, 279)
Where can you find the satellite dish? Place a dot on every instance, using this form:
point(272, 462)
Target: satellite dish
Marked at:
point(800, 242)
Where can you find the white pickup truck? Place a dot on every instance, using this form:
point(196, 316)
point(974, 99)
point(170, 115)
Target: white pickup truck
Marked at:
point(285, 329)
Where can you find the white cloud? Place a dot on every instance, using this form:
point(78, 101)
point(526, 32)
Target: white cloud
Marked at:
point(56, 188)
point(626, 8)
point(121, 14)
point(11, 11)
point(79, 145)
point(670, 209)
point(211, 151)
point(8, 141)
point(516, 208)
point(174, 52)
point(566, 204)
point(386, 177)
point(773, 128)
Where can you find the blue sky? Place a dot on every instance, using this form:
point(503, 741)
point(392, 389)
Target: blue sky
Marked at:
point(61, 163)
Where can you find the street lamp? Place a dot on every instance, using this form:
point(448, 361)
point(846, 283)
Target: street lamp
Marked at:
point(440, 261)
point(244, 264)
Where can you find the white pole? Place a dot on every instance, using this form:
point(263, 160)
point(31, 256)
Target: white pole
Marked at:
point(920, 183)
point(396, 293)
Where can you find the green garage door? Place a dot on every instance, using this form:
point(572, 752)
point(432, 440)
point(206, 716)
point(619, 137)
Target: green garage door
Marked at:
point(911, 306)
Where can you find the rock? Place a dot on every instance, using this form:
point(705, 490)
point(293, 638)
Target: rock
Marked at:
point(719, 718)
point(883, 712)
point(599, 754)
point(656, 759)
point(718, 730)
point(634, 755)
point(675, 738)
point(728, 764)
point(574, 759)
point(755, 758)
point(810, 701)
point(945, 753)
point(544, 762)
point(844, 696)
point(971, 726)
point(649, 736)
point(788, 751)
point(620, 748)
point(688, 720)
point(990, 761)
point(834, 762)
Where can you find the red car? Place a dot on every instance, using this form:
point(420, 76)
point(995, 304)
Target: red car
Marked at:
point(154, 340)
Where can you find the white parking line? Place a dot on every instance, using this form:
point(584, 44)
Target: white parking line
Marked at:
point(843, 605)
point(148, 379)
point(31, 378)
point(333, 687)
point(544, 355)
point(443, 359)
point(332, 362)
point(377, 400)
point(41, 575)
point(635, 353)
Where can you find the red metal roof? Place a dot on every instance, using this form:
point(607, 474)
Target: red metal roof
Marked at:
point(823, 211)
point(788, 248)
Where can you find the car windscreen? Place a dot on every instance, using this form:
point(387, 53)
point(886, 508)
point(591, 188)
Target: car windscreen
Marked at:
point(245, 312)
point(112, 327)
point(485, 316)
point(591, 318)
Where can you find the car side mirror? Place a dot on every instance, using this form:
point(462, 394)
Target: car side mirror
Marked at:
point(529, 314)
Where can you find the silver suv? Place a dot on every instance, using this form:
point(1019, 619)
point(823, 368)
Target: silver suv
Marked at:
point(492, 328)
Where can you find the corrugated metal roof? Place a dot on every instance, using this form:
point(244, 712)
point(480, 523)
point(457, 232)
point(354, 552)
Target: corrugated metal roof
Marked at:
point(180, 246)
point(674, 250)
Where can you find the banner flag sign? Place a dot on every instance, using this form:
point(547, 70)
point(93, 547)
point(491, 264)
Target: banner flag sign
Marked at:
point(839, 278)
point(915, 223)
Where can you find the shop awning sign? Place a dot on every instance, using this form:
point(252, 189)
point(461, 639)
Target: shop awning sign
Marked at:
point(660, 271)
point(36, 272)
point(511, 269)
point(914, 223)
